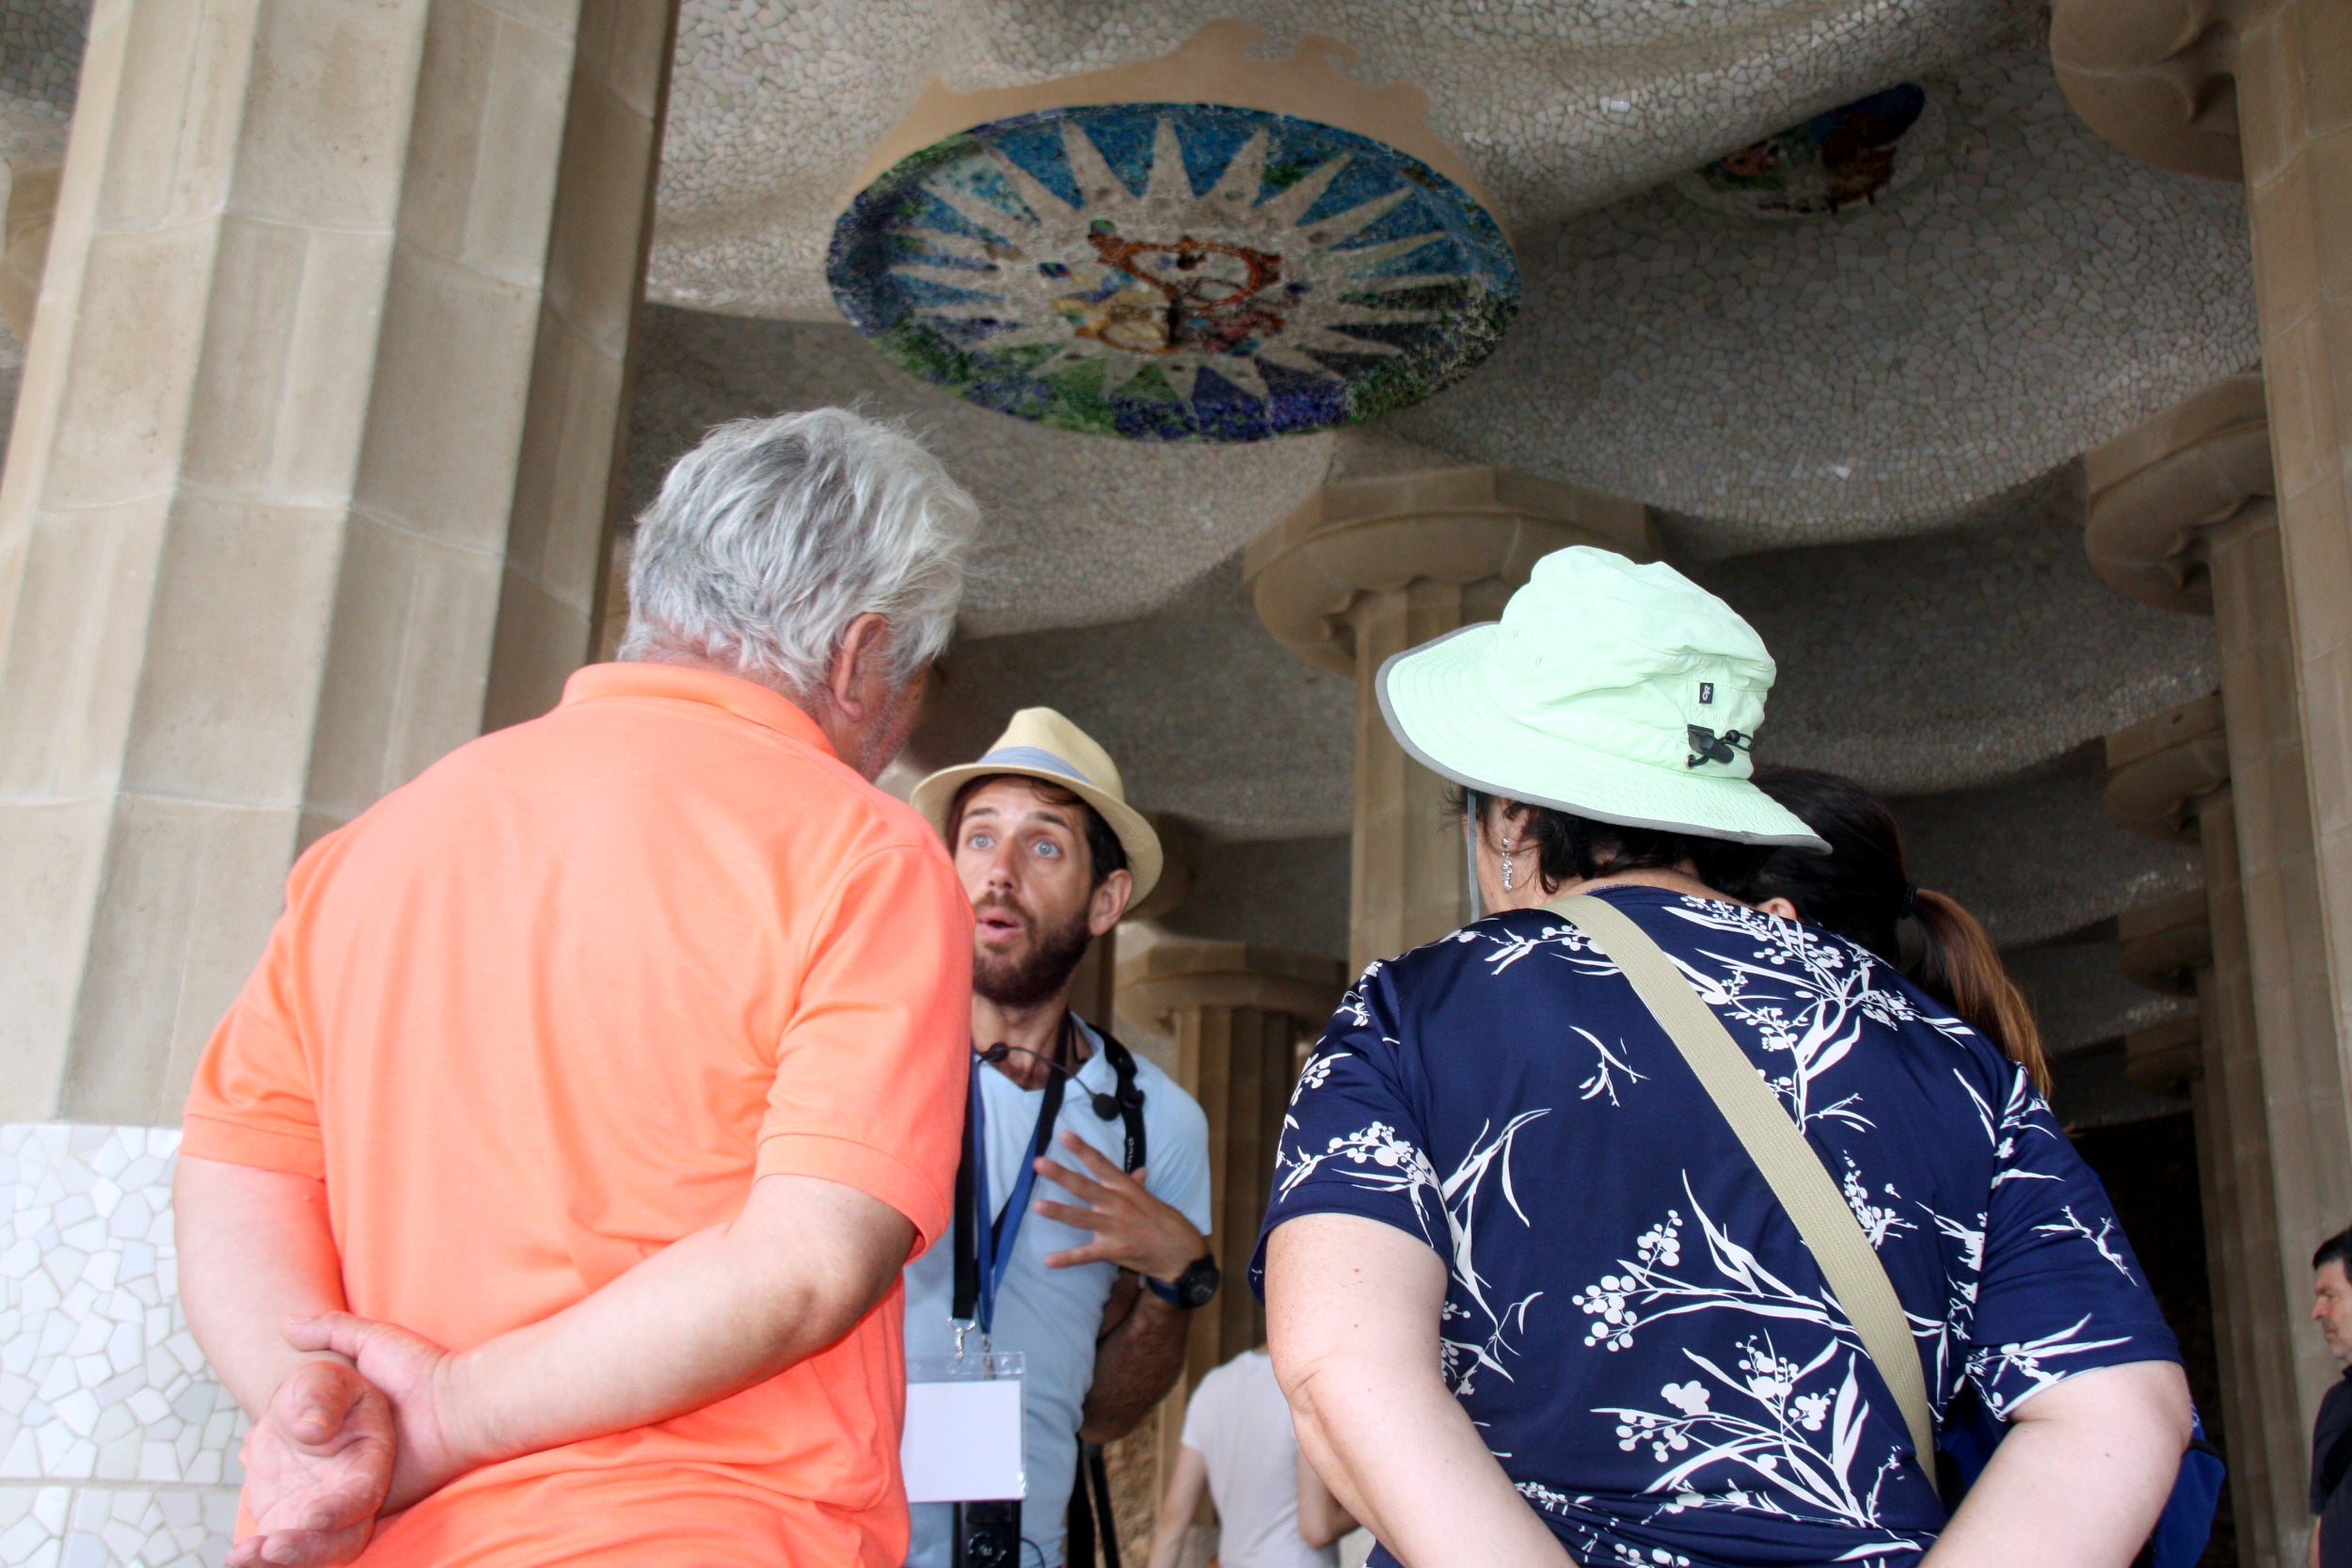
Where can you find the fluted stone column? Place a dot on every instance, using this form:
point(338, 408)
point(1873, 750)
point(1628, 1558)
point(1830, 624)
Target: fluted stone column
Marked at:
point(2170, 777)
point(2182, 516)
point(312, 475)
point(1239, 1017)
point(1368, 568)
point(2261, 90)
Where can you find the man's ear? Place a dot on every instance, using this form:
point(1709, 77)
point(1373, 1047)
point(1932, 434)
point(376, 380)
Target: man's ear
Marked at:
point(859, 673)
point(1110, 901)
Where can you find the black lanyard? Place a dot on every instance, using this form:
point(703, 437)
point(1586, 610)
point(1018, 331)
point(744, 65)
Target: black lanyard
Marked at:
point(972, 1303)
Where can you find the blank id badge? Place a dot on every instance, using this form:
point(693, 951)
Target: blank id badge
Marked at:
point(963, 1441)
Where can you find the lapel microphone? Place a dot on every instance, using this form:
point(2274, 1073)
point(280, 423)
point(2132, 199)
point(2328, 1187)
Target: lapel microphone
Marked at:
point(1105, 1105)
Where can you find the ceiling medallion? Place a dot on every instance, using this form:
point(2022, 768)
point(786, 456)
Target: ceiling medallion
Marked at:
point(1174, 271)
point(1852, 154)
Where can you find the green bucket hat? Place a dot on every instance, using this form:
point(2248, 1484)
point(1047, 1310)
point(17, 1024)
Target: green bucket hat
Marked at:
point(1624, 694)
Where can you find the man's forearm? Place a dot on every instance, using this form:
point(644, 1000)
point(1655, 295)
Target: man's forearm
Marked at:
point(255, 1249)
point(1136, 1364)
point(709, 1316)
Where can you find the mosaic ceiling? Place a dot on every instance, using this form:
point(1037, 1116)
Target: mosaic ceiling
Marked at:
point(1174, 271)
point(1996, 292)
point(1878, 371)
point(1559, 105)
point(1077, 530)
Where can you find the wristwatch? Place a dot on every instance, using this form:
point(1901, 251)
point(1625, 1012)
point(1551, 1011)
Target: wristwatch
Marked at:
point(1193, 1288)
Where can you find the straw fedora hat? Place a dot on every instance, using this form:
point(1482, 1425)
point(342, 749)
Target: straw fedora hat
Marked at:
point(1041, 744)
point(1622, 693)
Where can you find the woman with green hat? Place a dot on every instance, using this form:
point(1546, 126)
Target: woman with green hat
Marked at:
point(1544, 1283)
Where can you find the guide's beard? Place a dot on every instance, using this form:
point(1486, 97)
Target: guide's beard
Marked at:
point(1024, 979)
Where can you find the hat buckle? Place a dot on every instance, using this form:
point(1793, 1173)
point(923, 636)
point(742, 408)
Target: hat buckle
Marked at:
point(1707, 746)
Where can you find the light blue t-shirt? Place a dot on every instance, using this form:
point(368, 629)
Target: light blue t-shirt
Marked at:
point(1053, 1316)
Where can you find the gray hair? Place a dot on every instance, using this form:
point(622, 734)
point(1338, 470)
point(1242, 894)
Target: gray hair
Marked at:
point(771, 536)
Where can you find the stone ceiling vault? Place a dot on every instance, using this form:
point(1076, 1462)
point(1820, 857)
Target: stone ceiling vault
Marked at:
point(1860, 428)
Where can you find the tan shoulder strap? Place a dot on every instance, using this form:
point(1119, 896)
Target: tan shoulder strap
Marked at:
point(1791, 1166)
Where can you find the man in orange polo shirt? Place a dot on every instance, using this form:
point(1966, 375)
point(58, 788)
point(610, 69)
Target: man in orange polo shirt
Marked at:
point(547, 1189)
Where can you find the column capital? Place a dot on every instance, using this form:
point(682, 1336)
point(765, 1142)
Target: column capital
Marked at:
point(2157, 487)
point(2167, 942)
point(1456, 526)
point(2162, 1057)
point(2156, 78)
point(2160, 768)
point(1178, 972)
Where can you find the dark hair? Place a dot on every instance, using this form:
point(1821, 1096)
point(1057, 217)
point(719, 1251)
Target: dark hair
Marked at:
point(1105, 853)
point(1572, 848)
point(1861, 890)
point(2335, 1249)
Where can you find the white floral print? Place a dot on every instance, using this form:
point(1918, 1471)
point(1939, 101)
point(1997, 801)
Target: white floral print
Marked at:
point(1645, 1343)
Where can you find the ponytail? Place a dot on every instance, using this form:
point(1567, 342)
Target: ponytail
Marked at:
point(1861, 890)
point(1962, 969)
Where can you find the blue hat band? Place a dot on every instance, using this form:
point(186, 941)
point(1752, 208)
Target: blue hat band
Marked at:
point(1035, 756)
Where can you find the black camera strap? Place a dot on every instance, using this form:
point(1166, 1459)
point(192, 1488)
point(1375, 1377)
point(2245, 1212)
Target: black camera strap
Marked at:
point(1130, 1099)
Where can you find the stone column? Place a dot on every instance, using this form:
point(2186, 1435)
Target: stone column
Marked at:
point(1237, 1016)
point(312, 472)
point(1368, 568)
point(2170, 777)
point(2180, 515)
point(2257, 90)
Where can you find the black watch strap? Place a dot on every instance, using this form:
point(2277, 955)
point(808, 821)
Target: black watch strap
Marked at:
point(1191, 1289)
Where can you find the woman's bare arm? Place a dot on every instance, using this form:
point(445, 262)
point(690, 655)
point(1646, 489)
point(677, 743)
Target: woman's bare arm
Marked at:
point(1352, 1310)
point(1187, 1480)
point(2080, 1477)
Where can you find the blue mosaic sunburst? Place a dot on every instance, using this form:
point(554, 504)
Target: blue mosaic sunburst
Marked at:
point(1174, 271)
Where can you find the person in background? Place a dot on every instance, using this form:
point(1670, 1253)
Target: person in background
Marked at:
point(1051, 855)
point(608, 1071)
point(1272, 1510)
point(2331, 1433)
point(1532, 1300)
point(1863, 890)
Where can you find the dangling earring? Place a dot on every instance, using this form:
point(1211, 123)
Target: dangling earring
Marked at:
point(1507, 853)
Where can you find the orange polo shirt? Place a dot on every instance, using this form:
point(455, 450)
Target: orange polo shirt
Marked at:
point(555, 1005)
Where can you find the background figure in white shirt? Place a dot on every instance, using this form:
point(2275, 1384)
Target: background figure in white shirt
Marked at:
point(1272, 1510)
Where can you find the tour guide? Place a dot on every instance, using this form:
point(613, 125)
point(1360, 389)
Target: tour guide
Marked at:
point(1051, 855)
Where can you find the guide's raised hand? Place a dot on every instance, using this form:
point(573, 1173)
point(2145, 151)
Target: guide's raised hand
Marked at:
point(1132, 1229)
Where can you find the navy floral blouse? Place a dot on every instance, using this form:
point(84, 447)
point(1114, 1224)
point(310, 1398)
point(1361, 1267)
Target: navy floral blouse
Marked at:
point(1631, 1320)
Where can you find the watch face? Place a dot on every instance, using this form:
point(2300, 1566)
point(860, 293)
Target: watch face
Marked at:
point(1199, 1283)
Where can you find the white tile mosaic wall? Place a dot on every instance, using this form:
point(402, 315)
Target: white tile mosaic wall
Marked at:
point(116, 1445)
